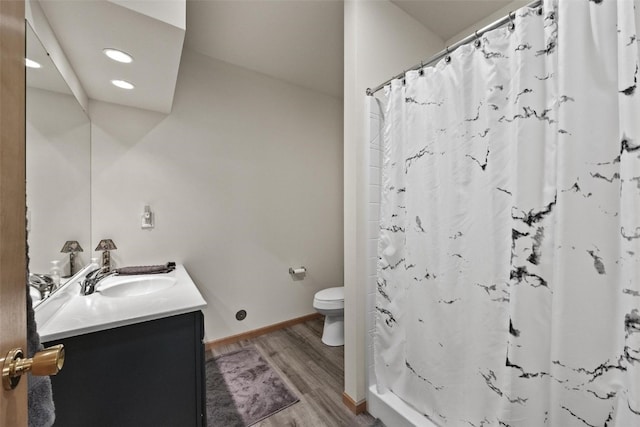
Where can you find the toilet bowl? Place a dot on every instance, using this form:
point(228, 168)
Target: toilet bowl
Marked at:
point(330, 303)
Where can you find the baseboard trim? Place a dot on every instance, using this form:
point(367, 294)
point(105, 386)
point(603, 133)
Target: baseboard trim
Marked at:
point(260, 331)
point(356, 408)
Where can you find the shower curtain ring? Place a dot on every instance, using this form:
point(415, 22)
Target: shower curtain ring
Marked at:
point(477, 43)
point(447, 58)
point(512, 25)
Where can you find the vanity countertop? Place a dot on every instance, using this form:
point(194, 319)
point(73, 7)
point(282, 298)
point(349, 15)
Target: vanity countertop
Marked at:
point(68, 313)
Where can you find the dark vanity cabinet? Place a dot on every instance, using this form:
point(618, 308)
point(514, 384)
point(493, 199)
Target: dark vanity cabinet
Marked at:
point(145, 374)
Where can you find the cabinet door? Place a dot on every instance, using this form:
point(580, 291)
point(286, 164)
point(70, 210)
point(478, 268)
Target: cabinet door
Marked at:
point(147, 374)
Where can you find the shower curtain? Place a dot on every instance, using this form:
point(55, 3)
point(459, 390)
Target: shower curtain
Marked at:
point(508, 290)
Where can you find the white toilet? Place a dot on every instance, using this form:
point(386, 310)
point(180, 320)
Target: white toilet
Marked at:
point(330, 303)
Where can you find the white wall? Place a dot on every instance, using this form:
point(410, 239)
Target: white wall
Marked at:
point(244, 178)
point(380, 41)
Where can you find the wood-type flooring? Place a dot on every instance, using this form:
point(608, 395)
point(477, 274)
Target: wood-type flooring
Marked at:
point(314, 371)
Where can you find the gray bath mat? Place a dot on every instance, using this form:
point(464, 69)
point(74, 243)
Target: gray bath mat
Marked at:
point(243, 389)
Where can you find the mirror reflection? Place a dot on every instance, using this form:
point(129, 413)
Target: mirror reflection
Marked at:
point(58, 144)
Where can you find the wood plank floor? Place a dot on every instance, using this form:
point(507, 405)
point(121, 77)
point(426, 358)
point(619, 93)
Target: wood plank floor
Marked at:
point(314, 372)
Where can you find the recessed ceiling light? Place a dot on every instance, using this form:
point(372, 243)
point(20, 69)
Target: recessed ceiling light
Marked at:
point(31, 63)
point(122, 84)
point(118, 55)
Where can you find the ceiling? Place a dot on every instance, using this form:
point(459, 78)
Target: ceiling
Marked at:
point(298, 41)
point(47, 76)
point(448, 18)
point(155, 40)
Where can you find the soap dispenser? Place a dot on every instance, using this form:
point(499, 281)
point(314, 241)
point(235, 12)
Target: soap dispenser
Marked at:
point(54, 272)
point(105, 246)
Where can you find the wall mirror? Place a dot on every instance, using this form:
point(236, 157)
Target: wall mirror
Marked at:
point(58, 145)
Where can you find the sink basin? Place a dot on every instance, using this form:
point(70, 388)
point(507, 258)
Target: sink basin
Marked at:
point(134, 286)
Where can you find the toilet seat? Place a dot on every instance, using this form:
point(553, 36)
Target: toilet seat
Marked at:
point(329, 299)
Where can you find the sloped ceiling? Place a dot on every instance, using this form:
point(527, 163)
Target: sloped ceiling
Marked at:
point(152, 31)
point(298, 41)
point(47, 76)
point(447, 18)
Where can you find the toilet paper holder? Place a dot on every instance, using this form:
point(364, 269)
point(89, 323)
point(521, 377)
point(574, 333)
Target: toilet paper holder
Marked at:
point(300, 271)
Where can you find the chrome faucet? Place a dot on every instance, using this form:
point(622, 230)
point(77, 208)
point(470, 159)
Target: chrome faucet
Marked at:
point(91, 280)
point(43, 283)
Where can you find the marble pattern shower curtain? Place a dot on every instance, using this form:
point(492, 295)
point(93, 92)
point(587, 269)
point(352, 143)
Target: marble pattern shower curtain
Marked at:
point(508, 286)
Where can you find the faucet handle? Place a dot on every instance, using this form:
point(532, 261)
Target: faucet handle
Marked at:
point(106, 245)
point(71, 246)
point(92, 273)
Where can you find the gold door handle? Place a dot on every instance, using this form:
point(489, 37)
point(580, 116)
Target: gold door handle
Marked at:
point(45, 362)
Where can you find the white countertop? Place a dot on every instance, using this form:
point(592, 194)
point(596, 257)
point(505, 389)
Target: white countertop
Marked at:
point(67, 313)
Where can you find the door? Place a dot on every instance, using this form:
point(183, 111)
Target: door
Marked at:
point(13, 404)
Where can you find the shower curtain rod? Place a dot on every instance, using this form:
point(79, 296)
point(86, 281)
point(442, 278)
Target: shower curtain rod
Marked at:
point(445, 52)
